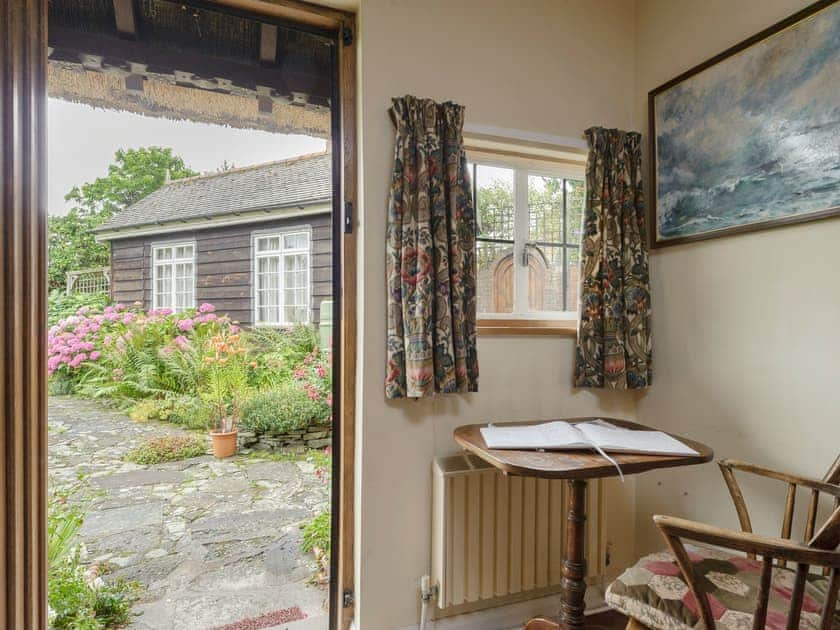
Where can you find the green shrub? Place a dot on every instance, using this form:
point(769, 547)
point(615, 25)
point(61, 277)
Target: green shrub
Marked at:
point(61, 384)
point(285, 409)
point(276, 352)
point(151, 409)
point(60, 305)
point(79, 599)
point(169, 448)
point(189, 412)
point(316, 533)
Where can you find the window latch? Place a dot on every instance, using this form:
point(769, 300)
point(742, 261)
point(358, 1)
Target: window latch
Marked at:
point(525, 256)
point(348, 217)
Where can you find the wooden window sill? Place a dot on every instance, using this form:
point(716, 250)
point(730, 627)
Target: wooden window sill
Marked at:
point(567, 328)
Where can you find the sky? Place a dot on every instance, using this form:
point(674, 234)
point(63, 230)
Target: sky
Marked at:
point(82, 142)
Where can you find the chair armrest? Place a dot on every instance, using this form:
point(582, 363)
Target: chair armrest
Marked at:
point(805, 482)
point(781, 548)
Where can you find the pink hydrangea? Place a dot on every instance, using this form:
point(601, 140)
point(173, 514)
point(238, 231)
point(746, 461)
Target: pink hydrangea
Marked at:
point(95, 355)
point(52, 363)
point(206, 308)
point(181, 341)
point(185, 325)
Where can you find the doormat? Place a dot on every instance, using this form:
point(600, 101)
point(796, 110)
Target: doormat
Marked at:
point(267, 620)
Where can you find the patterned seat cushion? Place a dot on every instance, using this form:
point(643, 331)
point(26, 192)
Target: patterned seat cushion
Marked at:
point(654, 592)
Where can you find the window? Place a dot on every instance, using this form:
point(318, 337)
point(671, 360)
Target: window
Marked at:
point(528, 242)
point(281, 268)
point(173, 275)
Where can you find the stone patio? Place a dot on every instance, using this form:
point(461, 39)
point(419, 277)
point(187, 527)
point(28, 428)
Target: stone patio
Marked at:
point(211, 541)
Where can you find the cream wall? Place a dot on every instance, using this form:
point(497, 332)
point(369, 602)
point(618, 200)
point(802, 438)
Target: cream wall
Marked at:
point(744, 350)
point(553, 67)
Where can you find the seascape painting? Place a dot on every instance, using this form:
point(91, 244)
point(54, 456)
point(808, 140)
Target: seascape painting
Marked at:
point(754, 139)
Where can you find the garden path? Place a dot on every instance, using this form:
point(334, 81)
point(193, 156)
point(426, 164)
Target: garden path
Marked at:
point(211, 541)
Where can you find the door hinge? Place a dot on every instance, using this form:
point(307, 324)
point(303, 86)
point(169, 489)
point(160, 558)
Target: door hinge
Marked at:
point(347, 36)
point(348, 217)
point(347, 598)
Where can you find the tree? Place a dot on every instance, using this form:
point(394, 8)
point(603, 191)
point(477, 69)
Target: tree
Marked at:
point(134, 174)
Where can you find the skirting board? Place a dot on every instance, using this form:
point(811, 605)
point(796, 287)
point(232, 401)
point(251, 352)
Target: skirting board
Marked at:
point(512, 616)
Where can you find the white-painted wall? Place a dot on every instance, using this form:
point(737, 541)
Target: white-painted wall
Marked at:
point(553, 67)
point(743, 326)
point(744, 345)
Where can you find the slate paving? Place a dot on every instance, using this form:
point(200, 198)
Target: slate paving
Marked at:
point(211, 541)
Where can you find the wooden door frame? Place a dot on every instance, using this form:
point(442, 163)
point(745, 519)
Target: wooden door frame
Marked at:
point(23, 230)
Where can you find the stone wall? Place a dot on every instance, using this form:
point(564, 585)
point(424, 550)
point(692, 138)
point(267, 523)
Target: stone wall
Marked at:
point(296, 442)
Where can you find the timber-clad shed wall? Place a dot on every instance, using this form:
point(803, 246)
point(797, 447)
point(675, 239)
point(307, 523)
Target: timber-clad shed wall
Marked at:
point(224, 265)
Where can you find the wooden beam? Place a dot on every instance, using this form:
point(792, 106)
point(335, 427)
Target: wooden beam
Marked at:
point(268, 44)
point(162, 61)
point(23, 379)
point(299, 11)
point(125, 18)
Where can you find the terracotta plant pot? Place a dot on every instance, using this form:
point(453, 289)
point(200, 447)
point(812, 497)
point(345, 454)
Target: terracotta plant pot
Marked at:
point(224, 444)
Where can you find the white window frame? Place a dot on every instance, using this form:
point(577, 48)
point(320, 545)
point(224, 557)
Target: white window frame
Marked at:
point(522, 168)
point(281, 253)
point(172, 262)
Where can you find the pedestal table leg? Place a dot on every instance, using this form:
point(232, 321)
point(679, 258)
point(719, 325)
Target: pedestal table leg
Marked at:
point(574, 566)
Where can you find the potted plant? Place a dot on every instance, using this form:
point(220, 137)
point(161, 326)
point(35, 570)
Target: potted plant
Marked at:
point(226, 379)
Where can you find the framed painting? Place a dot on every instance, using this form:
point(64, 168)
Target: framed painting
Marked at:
point(750, 139)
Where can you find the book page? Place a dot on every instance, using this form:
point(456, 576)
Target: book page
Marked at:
point(618, 439)
point(554, 435)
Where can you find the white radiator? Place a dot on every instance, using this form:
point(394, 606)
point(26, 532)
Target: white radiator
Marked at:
point(498, 539)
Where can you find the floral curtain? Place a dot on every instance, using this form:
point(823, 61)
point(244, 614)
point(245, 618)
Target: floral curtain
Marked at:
point(431, 265)
point(614, 339)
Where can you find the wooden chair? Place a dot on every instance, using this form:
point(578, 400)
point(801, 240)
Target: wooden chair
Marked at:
point(729, 590)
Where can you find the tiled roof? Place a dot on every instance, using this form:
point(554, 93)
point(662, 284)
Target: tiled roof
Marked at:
point(298, 181)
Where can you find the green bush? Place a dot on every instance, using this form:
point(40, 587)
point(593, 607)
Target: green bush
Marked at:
point(276, 352)
point(316, 533)
point(285, 409)
point(151, 409)
point(169, 448)
point(78, 598)
point(60, 305)
point(78, 601)
point(189, 412)
point(61, 384)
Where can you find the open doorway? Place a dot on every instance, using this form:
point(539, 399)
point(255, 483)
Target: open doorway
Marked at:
point(194, 260)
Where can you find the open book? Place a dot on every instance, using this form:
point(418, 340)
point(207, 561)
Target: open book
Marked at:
point(598, 435)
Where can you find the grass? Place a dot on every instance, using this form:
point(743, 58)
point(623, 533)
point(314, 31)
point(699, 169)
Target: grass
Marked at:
point(319, 457)
point(170, 448)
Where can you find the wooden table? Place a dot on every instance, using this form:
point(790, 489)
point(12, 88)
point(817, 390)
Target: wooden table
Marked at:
point(575, 467)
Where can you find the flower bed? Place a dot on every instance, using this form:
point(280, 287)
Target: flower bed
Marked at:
point(195, 368)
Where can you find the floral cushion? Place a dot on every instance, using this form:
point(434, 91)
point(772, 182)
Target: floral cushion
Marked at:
point(654, 593)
